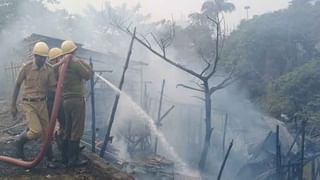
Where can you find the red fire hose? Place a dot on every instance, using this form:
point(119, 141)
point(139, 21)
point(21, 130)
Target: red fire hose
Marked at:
point(53, 118)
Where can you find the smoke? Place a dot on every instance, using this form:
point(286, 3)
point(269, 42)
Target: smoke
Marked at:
point(184, 127)
point(182, 131)
point(92, 29)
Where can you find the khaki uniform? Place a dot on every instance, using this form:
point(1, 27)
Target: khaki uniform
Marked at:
point(36, 85)
point(73, 96)
point(75, 117)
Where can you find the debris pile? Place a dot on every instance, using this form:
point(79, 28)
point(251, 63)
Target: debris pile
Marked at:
point(155, 167)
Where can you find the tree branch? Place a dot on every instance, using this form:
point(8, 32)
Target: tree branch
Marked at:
point(166, 113)
point(196, 83)
point(171, 34)
point(212, 20)
point(156, 40)
point(189, 87)
point(226, 82)
point(163, 46)
point(146, 40)
point(206, 61)
point(189, 71)
point(217, 55)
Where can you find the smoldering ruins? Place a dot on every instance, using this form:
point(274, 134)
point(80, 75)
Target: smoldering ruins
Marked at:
point(179, 99)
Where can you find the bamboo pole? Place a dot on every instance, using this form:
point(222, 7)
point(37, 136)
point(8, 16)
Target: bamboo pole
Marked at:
point(116, 102)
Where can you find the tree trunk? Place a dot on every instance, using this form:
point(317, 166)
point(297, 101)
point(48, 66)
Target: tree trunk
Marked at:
point(209, 129)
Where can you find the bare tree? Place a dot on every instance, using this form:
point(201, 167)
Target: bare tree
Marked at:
point(205, 76)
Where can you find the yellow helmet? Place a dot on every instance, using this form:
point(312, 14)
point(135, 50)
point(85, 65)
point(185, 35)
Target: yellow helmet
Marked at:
point(54, 53)
point(41, 49)
point(68, 47)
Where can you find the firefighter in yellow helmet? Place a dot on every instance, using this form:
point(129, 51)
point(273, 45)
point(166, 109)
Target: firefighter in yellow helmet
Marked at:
point(55, 55)
point(74, 105)
point(38, 80)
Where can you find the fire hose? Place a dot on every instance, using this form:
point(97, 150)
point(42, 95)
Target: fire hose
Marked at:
point(53, 119)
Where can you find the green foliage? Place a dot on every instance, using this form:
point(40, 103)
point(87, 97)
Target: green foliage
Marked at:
point(269, 46)
point(197, 40)
point(295, 93)
point(210, 9)
point(279, 52)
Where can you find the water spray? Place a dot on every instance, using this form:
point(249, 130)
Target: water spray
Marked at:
point(151, 123)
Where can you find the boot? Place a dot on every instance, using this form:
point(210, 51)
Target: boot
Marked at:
point(59, 141)
point(49, 156)
point(22, 140)
point(74, 155)
point(64, 151)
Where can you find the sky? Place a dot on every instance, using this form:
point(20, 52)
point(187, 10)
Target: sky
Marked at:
point(180, 9)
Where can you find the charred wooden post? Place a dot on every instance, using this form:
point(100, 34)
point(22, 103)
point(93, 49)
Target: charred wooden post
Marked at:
point(289, 170)
point(280, 160)
point(12, 71)
point(313, 170)
point(166, 113)
point(294, 142)
point(146, 100)
point(159, 115)
point(295, 124)
point(107, 138)
point(302, 150)
point(277, 154)
point(224, 133)
point(93, 111)
point(189, 129)
point(294, 169)
point(225, 160)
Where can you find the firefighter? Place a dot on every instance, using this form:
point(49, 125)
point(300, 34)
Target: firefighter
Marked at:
point(74, 105)
point(38, 80)
point(55, 54)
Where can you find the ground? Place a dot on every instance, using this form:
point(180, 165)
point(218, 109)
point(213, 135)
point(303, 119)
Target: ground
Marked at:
point(10, 128)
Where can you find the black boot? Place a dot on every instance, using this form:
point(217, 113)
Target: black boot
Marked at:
point(22, 140)
point(64, 152)
point(49, 155)
point(74, 155)
point(59, 141)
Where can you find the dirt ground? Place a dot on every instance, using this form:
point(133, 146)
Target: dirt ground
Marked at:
point(9, 129)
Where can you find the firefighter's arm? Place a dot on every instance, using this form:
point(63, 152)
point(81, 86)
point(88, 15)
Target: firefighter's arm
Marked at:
point(82, 68)
point(16, 90)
